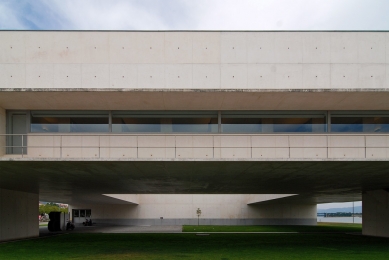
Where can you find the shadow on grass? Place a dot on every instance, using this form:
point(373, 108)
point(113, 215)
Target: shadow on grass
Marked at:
point(191, 246)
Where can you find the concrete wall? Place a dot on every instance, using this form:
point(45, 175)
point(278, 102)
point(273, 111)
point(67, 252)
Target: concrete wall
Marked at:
point(2, 131)
point(18, 215)
point(276, 146)
point(195, 60)
point(375, 214)
point(181, 209)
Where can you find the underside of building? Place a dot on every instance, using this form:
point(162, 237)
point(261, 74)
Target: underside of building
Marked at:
point(148, 128)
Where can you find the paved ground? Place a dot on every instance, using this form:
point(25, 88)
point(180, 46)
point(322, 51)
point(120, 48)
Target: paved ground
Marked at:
point(43, 231)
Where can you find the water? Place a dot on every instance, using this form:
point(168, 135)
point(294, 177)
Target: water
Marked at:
point(340, 220)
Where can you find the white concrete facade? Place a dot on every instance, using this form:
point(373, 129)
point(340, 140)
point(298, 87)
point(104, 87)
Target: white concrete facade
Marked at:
point(194, 60)
point(194, 71)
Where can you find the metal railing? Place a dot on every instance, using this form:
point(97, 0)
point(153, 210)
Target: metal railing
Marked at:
point(212, 146)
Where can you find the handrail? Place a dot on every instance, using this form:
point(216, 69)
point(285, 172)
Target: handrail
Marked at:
point(60, 145)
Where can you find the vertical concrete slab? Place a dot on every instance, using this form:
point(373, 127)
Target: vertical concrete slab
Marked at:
point(122, 47)
point(178, 47)
point(12, 75)
point(2, 131)
point(67, 76)
point(316, 47)
point(372, 76)
point(206, 76)
point(18, 215)
point(288, 47)
point(95, 75)
point(38, 47)
point(371, 46)
point(39, 76)
point(375, 213)
point(233, 47)
point(206, 47)
point(234, 76)
point(95, 46)
point(261, 76)
point(316, 76)
point(260, 47)
point(67, 47)
point(13, 48)
point(343, 47)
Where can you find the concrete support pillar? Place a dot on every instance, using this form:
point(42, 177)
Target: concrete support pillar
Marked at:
point(18, 215)
point(375, 213)
point(2, 131)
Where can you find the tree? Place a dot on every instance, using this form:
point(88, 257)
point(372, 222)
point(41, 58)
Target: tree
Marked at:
point(51, 206)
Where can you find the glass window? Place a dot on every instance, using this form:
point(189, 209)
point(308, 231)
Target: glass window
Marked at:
point(359, 124)
point(164, 123)
point(88, 213)
point(76, 213)
point(271, 124)
point(69, 122)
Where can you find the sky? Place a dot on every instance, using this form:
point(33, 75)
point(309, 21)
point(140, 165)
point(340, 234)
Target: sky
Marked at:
point(194, 14)
point(339, 205)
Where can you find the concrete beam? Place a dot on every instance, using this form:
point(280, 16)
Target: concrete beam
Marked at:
point(130, 198)
point(191, 99)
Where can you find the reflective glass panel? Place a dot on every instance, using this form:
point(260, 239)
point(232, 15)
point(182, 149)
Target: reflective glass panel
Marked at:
point(68, 124)
point(271, 125)
point(359, 124)
point(164, 124)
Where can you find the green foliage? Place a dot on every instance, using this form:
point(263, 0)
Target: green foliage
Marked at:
point(49, 207)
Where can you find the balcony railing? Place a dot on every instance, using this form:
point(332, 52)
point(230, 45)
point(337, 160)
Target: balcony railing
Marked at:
point(197, 146)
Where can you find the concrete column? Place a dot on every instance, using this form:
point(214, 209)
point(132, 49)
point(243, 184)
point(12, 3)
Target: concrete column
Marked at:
point(2, 131)
point(18, 215)
point(375, 213)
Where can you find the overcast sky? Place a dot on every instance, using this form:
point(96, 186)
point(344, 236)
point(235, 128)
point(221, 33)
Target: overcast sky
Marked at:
point(194, 14)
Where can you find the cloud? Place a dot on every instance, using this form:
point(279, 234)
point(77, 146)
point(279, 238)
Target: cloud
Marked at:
point(194, 15)
point(9, 17)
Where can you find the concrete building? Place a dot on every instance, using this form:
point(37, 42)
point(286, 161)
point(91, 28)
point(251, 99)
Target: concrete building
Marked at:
point(145, 128)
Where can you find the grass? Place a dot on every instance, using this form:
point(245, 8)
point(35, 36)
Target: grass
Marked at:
point(321, 227)
point(191, 246)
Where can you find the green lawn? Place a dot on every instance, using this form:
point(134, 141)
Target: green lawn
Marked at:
point(321, 227)
point(192, 246)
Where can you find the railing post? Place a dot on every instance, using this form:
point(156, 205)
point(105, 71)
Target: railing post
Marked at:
point(327, 146)
point(60, 147)
point(289, 145)
point(365, 147)
point(251, 145)
point(22, 146)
